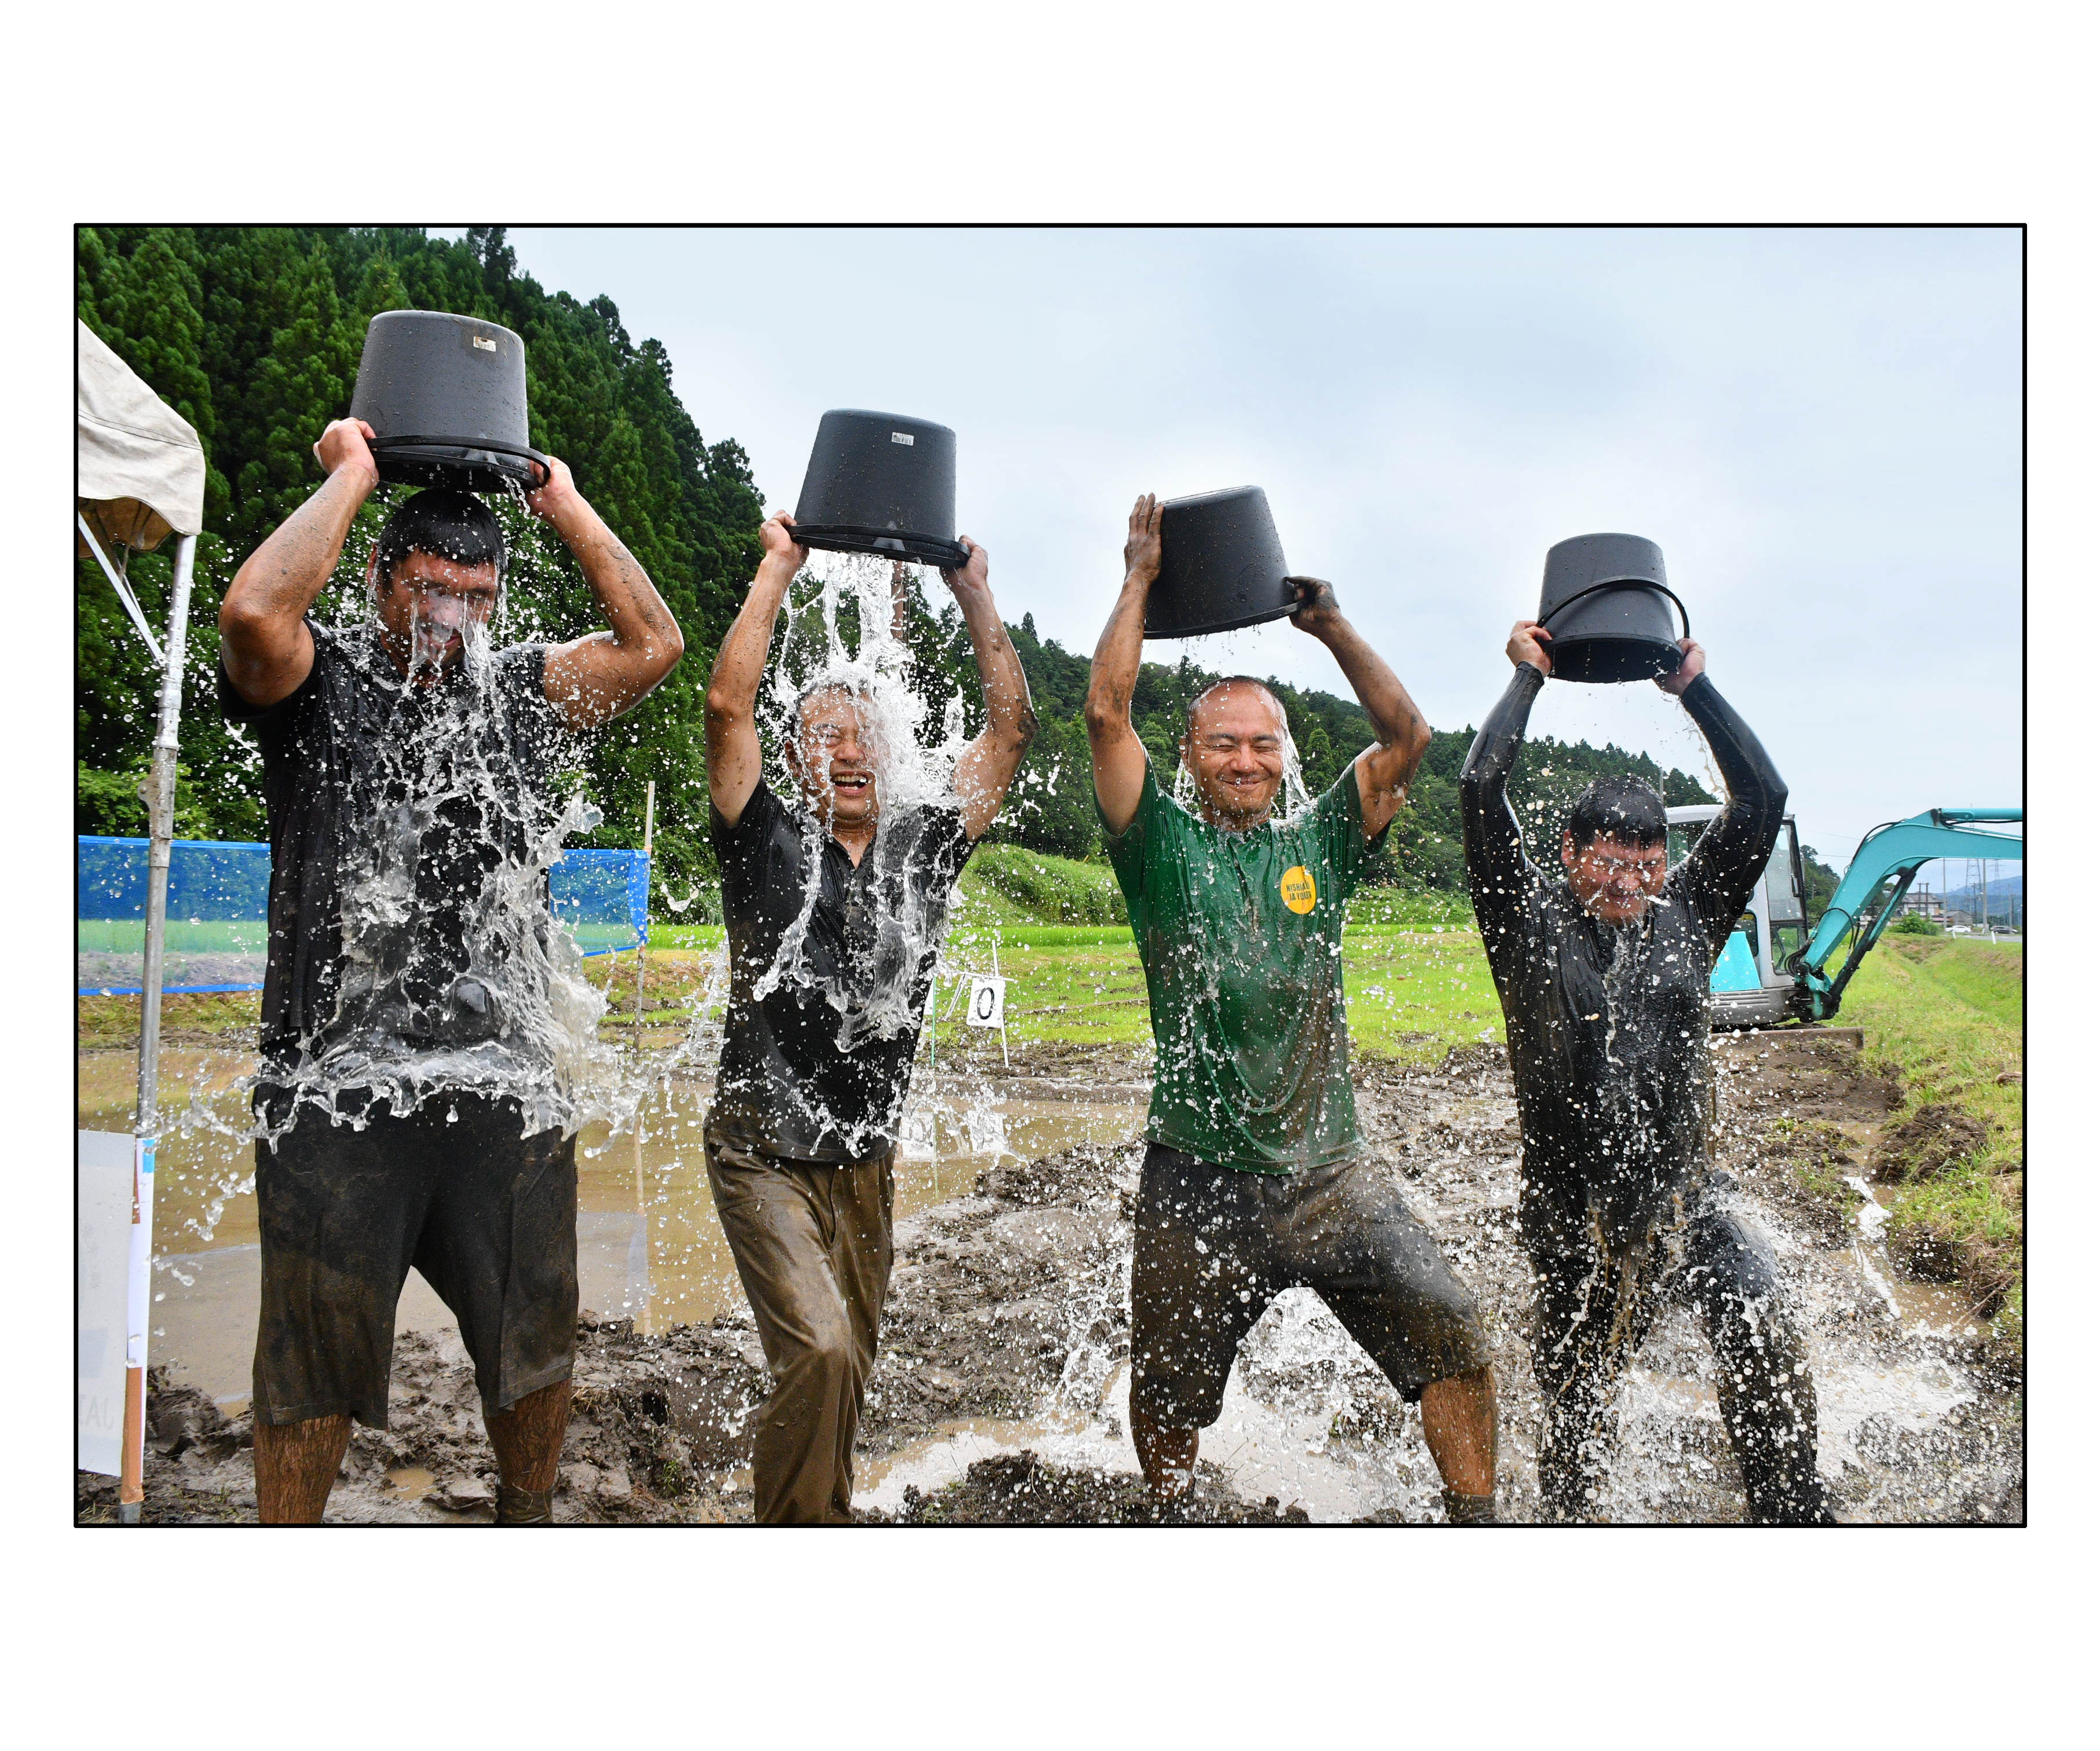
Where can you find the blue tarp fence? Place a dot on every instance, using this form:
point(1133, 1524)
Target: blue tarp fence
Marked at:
point(218, 896)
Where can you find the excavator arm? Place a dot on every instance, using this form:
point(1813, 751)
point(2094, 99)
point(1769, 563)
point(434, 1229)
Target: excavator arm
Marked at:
point(1900, 849)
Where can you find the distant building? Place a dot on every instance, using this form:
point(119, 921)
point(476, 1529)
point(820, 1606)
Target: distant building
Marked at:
point(1924, 905)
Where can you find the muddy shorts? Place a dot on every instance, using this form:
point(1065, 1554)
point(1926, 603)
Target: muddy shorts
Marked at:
point(1216, 1246)
point(489, 1218)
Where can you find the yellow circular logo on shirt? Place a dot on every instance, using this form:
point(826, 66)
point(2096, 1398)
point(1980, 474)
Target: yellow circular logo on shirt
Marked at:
point(1298, 893)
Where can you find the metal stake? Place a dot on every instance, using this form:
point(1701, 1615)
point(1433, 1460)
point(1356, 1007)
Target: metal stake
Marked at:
point(642, 952)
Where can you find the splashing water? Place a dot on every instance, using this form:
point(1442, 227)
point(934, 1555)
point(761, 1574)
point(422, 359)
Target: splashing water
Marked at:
point(454, 975)
point(913, 761)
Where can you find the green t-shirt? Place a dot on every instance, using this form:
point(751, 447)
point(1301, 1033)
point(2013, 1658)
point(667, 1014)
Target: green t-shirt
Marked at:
point(1241, 935)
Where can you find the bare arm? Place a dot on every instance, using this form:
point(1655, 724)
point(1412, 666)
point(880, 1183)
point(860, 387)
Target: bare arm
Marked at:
point(263, 640)
point(1119, 760)
point(1387, 767)
point(734, 759)
point(591, 680)
point(988, 764)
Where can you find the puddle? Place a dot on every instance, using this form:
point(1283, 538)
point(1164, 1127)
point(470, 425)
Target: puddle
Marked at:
point(648, 1244)
point(414, 1482)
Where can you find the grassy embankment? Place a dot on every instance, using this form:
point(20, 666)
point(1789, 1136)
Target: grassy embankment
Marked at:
point(1949, 1014)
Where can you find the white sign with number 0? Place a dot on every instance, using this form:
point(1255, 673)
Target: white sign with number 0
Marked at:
point(987, 1002)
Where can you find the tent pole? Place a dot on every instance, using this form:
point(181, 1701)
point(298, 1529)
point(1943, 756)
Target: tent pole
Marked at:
point(160, 813)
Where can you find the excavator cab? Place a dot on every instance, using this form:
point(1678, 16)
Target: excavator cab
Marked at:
point(1751, 985)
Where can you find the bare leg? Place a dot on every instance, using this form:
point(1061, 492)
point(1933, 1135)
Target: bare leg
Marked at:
point(527, 1439)
point(295, 1468)
point(1459, 1422)
point(1168, 1456)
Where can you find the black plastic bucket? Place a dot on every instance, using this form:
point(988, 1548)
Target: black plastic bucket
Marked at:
point(1607, 603)
point(1220, 565)
point(881, 483)
point(445, 395)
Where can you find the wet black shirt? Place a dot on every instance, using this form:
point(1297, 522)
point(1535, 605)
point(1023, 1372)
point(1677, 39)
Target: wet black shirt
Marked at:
point(807, 1071)
point(1606, 1024)
point(427, 790)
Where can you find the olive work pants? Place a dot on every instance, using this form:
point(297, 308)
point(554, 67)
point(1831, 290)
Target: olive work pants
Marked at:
point(812, 1245)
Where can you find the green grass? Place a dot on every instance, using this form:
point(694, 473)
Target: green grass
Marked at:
point(1034, 887)
point(185, 936)
point(1947, 1013)
point(1413, 995)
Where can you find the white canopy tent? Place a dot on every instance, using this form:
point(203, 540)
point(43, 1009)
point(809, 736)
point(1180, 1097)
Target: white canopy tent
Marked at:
point(139, 477)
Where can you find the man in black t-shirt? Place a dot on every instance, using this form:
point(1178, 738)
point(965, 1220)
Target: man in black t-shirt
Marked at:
point(835, 902)
point(409, 1107)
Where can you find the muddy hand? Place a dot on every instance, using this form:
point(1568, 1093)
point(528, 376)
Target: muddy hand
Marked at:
point(346, 444)
point(1528, 640)
point(1141, 551)
point(1693, 666)
point(554, 492)
point(1317, 605)
point(777, 533)
point(975, 576)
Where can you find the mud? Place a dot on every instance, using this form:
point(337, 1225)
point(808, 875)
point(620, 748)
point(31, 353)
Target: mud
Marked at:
point(1021, 1489)
point(999, 1390)
point(1926, 1145)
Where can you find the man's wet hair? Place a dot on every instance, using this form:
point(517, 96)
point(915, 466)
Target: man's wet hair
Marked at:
point(1619, 808)
point(1189, 730)
point(445, 523)
point(857, 689)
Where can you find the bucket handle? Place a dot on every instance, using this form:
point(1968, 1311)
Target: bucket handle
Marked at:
point(1561, 607)
point(530, 455)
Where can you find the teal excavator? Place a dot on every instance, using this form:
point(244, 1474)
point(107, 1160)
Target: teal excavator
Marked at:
point(1773, 970)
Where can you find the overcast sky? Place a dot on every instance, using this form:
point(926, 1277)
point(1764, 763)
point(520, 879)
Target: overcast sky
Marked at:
point(1820, 428)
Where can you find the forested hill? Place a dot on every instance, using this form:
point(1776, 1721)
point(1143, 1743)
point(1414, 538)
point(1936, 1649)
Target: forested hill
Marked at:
point(254, 336)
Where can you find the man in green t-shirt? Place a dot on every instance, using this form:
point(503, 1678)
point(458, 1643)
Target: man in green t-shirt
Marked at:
point(1257, 1179)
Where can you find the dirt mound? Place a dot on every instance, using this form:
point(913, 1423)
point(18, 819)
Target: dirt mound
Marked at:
point(1016, 1489)
point(1932, 1141)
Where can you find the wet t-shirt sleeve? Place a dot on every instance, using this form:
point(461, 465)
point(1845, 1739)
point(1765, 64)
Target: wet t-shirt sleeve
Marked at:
point(1127, 849)
point(947, 841)
point(740, 849)
point(271, 719)
point(1338, 822)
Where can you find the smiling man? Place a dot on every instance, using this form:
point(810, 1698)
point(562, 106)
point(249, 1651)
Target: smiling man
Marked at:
point(817, 1055)
point(409, 773)
point(1256, 1179)
point(1602, 975)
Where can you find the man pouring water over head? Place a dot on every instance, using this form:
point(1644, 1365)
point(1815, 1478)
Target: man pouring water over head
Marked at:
point(1257, 1179)
point(834, 897)
point(1601, 965)
point(410, 1110)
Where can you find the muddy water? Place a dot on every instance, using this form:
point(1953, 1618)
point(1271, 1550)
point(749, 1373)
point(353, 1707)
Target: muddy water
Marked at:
point(648, 1246)
point(1913, 1425)
point(1008, 1325)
